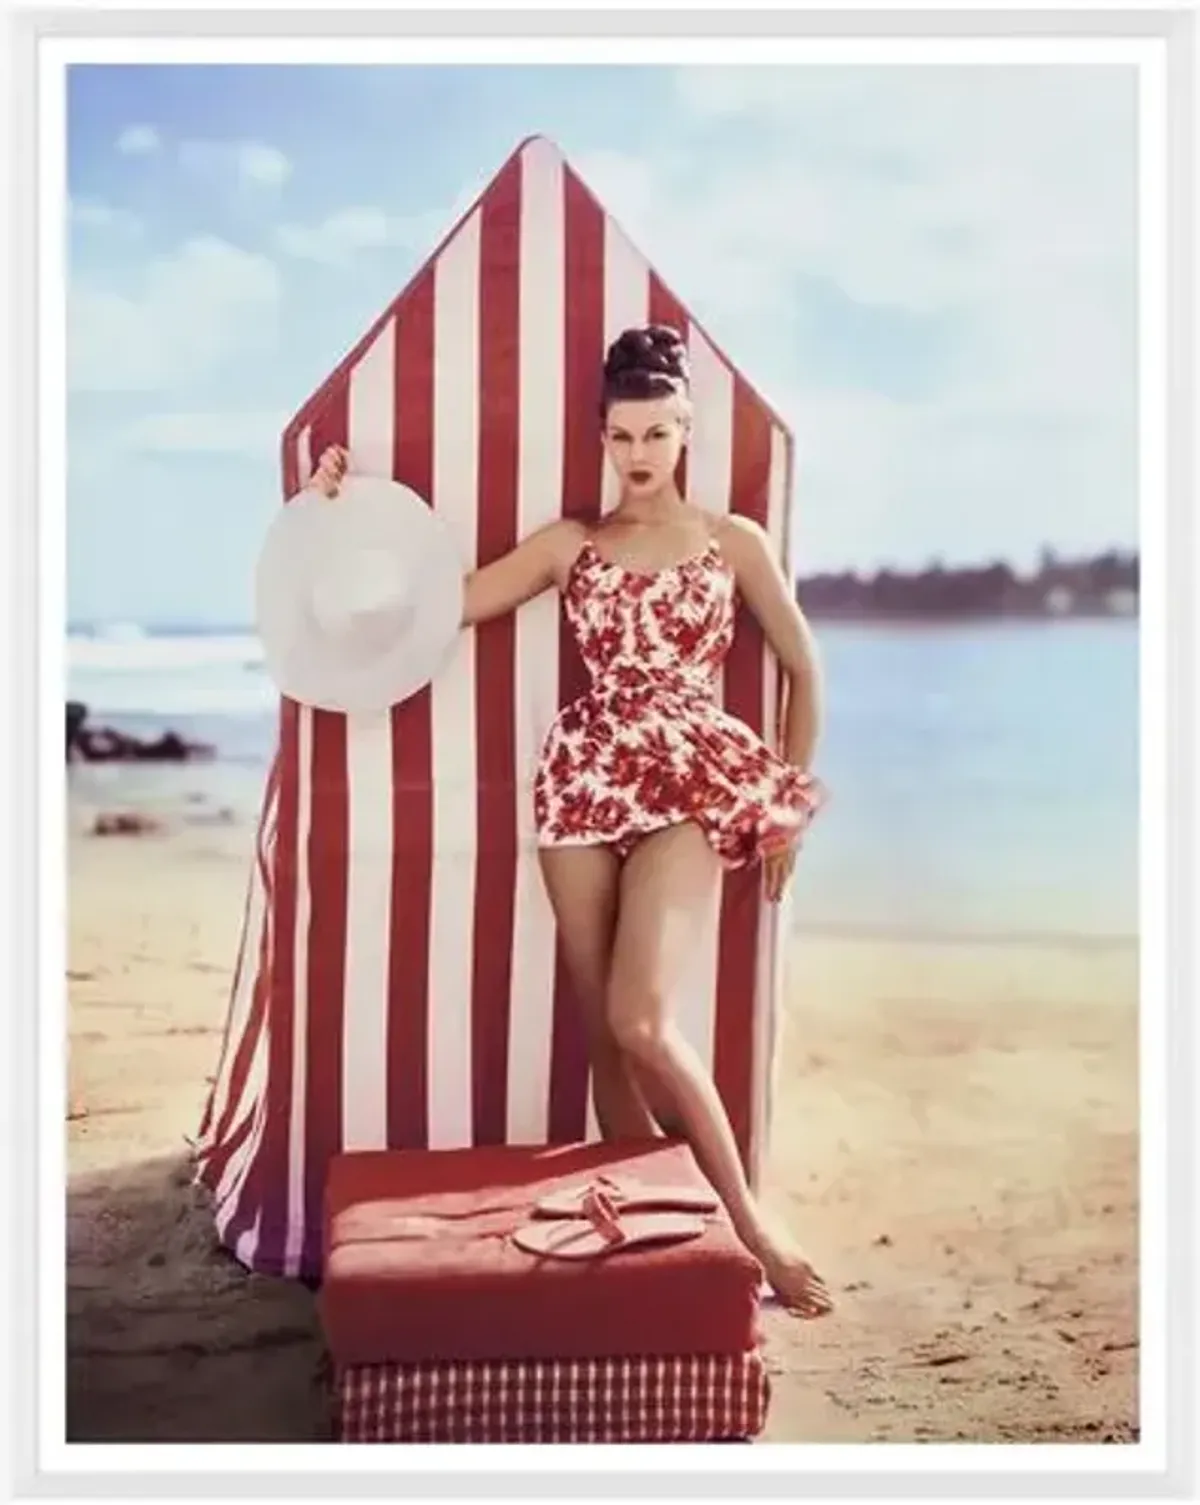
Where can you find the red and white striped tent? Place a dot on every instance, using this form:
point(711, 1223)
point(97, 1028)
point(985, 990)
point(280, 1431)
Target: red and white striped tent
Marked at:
point(398, 983)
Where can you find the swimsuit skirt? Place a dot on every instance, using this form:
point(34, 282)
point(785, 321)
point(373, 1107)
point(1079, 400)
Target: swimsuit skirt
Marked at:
point(647, 745)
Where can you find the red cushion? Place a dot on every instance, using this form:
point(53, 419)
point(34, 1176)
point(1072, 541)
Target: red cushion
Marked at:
point(461, 1289)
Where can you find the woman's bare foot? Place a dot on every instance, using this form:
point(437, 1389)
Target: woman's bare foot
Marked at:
point(800, 1289)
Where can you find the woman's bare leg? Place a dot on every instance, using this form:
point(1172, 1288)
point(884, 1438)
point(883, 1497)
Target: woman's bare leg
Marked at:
point(665, 897)
point(582, 883)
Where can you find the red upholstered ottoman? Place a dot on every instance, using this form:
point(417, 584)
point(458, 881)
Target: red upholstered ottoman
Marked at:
point(441, 1328)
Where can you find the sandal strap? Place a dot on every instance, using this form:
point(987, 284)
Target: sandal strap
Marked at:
point(598, 1207)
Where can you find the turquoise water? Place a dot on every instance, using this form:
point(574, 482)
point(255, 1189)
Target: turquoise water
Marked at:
point(983, 778)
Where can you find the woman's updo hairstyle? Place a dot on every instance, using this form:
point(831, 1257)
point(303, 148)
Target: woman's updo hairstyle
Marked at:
point(642, 363)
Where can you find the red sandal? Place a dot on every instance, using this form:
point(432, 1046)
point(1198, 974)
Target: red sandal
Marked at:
point(603, 1230)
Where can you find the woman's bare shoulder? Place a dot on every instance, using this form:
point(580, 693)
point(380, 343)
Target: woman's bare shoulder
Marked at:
point(736, 530)
point(721, 525)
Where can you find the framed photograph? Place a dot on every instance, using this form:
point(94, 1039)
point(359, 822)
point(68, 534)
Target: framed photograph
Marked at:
point(621, 589)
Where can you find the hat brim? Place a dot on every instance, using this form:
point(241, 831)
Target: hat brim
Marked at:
point(305, 664)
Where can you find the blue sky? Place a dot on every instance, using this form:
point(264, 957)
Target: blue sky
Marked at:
point(929, 271)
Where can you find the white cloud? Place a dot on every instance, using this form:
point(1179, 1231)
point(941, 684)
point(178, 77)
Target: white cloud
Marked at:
point(882, 480)
point(251, 164)
point(927, 189)
point(994, 205)
point(916, 194)
point(93, 214)
point(193, 310)
point(263, 164)
point(252, 435)
point(337, 239)
point(345, 234)
point(139, 141)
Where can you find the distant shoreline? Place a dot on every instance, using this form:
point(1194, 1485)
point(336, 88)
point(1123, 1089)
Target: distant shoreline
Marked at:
point(1104, 587)
point(851, 616)
point(925, 617)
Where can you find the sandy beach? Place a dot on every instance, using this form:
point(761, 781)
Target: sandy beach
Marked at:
point(955, 1140)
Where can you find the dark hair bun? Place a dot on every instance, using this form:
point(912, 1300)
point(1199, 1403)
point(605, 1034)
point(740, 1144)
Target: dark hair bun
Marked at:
point(655, 348)
point(650, 361)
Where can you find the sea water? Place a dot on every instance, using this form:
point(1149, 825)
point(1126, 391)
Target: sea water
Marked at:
point(983, 777)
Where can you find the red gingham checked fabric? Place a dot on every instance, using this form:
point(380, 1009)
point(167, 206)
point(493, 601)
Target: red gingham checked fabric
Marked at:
point(683, 1399)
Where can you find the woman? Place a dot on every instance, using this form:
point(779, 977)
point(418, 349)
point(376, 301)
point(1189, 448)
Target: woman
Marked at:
point(646, 789)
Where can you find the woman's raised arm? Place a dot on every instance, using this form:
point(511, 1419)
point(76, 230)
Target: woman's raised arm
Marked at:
point(538, 562)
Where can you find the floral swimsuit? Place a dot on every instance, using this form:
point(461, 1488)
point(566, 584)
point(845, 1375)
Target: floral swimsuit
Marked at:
point(647, 745)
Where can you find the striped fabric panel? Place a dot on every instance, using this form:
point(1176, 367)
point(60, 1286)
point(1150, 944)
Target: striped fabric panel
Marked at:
point(399, 984)
point(704, 1398)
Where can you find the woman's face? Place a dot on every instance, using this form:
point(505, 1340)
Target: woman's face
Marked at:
point(644, 441)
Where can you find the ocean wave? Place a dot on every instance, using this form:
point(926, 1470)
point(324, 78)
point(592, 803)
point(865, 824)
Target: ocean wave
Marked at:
point(169, 675)
point(135, 652)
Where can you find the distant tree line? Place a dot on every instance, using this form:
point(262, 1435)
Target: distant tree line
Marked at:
point(1105, 585)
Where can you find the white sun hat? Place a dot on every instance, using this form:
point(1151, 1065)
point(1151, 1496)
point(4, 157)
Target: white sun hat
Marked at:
point(358, 597)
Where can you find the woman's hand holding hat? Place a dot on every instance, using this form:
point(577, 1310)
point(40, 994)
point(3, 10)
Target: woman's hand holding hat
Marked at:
point(331, 468)
point(358, 605)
